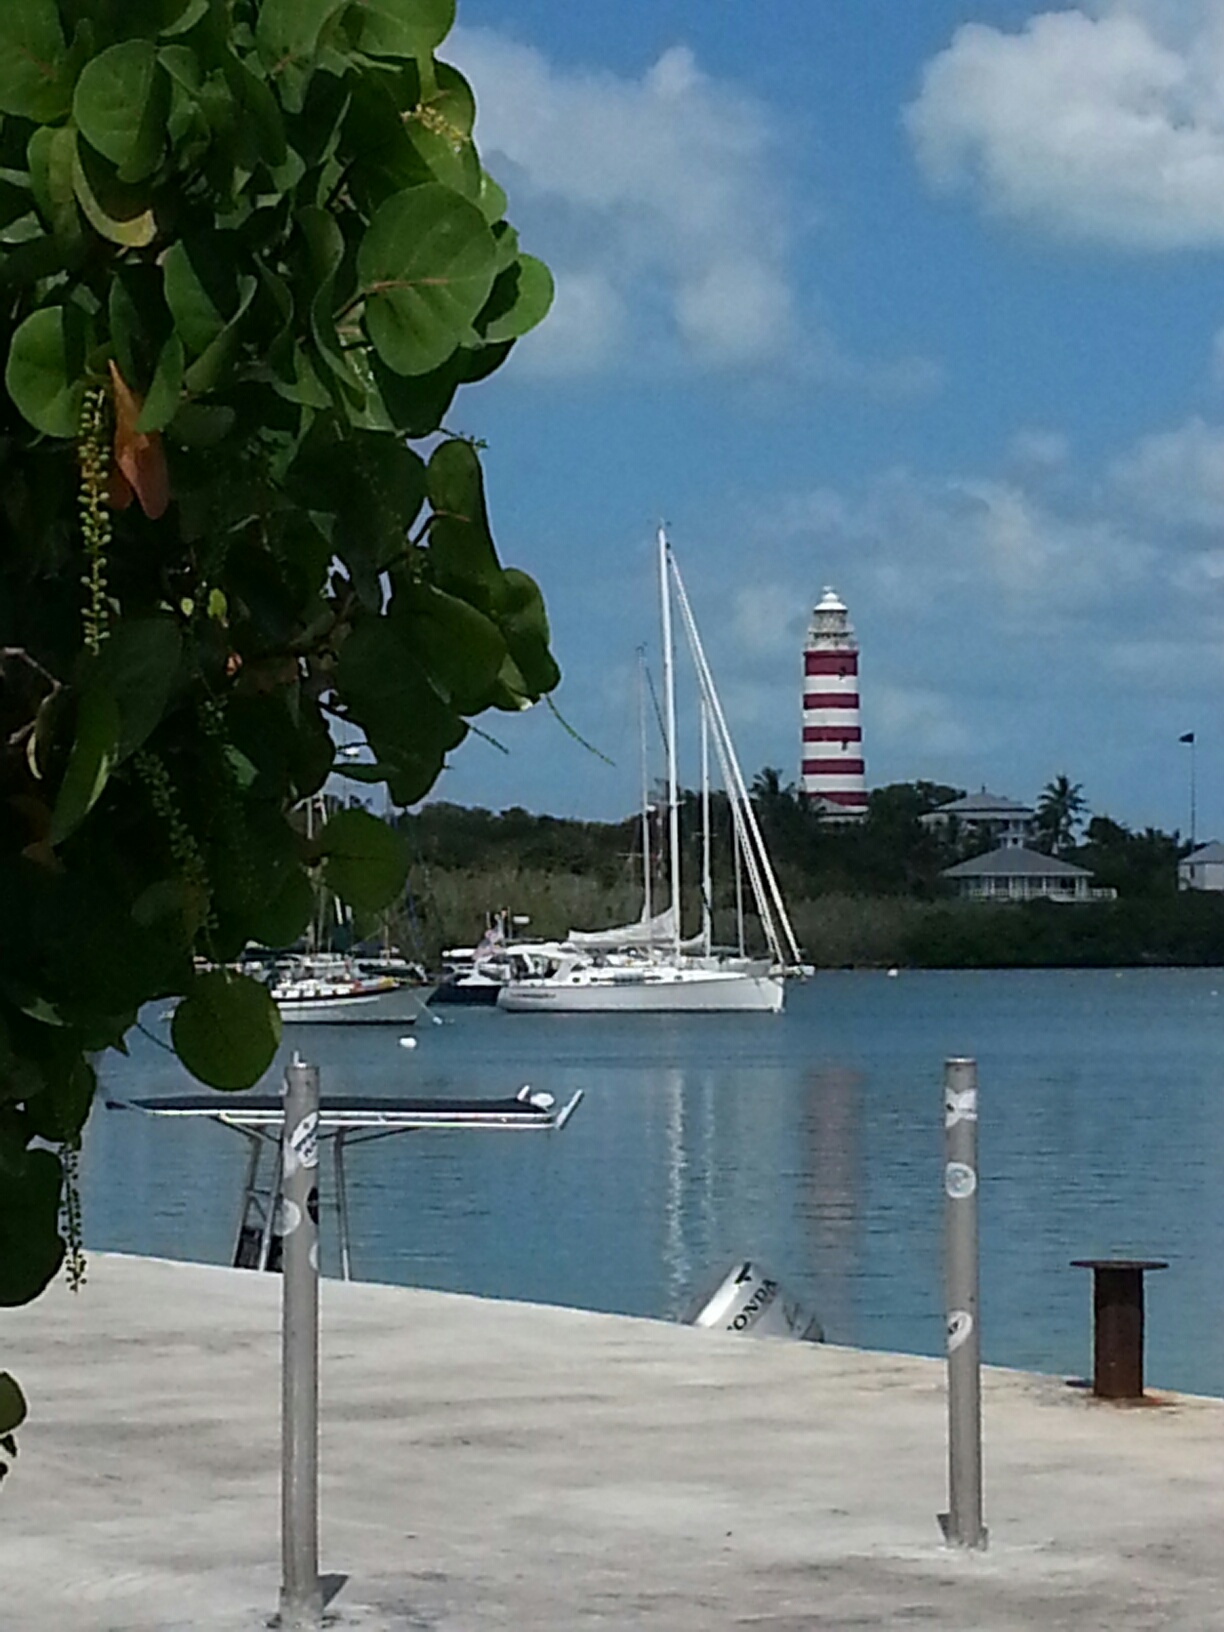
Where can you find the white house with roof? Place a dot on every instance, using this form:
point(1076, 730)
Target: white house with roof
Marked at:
point(1013, 873)
point(1202, 869)
point(1003, 820)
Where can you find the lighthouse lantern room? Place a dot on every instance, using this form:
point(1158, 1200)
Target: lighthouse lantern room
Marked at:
point(832, 770)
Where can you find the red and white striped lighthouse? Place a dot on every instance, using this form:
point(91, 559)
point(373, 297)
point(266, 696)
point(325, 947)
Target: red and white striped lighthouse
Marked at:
point(833, 771)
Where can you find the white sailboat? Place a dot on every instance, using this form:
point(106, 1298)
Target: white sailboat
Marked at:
point(648, 967)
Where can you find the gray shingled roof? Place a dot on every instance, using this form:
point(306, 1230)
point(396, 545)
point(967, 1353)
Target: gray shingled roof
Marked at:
point(982, 805)
point(1014, 861)
point(1207, 852)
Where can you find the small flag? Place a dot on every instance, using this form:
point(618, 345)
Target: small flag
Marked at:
point(1189, 737)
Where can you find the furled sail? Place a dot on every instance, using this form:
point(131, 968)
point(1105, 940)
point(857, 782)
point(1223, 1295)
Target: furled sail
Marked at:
point(647, 933)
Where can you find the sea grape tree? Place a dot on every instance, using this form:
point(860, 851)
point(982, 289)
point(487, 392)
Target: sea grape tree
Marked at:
point(248, 256)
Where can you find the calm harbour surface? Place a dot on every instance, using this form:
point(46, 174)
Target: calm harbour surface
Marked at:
point(811, 1141)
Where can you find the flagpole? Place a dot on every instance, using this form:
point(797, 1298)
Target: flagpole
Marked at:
point(1188, 738)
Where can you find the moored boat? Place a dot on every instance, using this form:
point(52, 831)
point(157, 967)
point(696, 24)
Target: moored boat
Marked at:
point(332, 990)
point(648, 966)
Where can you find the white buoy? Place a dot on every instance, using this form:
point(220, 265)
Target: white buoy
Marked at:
point(893, 973)
point(407, 1042)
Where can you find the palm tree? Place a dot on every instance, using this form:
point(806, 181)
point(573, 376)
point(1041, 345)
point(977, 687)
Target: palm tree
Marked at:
point(1059, 810)
point(767, 784)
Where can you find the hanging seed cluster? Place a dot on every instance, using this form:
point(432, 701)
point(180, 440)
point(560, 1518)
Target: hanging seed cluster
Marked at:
point(93, 453)
point(70, 1214)
point(184, 850)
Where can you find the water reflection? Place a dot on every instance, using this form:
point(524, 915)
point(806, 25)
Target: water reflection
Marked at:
point(809, 1141)
point(830, 1194)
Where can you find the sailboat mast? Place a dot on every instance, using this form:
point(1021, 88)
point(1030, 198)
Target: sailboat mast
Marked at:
point(707, 882)
point(646, 858)
point(755, 854)
point(739, 887)
point(669, 706)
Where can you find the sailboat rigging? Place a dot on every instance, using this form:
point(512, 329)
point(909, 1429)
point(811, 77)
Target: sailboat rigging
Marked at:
point(649, 966)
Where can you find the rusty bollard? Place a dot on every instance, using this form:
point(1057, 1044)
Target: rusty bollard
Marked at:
point(1117, 1324)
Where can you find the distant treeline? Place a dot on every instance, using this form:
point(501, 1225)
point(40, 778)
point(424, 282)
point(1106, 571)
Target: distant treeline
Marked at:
point(862, 895)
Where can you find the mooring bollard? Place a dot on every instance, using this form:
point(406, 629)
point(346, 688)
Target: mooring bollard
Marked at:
point(962, 1523)
point(301, 1602)
point(1117, 1324)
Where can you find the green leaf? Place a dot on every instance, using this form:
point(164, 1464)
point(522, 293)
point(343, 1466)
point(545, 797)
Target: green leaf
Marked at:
point(45, 373)
point(180, 16)
point(371, 482)
point(61, 1112)
point(288, 30)
point(139, 667)
point(121, 104)
point(367, 861)
point(202, 288)
point(95, 749)
point(324, 245)
point(460, 648)
point(389, 694)
point(50, 155)
point(208, 298)
point(520, 299)
point(283, 919)
point(33, 82)
point(261, 132)
point(226, 1030)
point(31, 1248)
point(166, 388)
point(113, 209)
point(403, 28)
point(151, 18)
point(12, 1404)
point(16, 200)
point(524, 624)
point(426, 265)
point(492, 199)
point(461, 544)
point(196, 425)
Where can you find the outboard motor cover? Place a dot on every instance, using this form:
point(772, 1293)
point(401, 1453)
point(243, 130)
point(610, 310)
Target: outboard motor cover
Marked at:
point(746, 1299)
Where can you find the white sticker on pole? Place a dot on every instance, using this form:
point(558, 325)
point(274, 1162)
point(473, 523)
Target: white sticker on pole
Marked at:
point(959, 1107)
point(289, 1217)
point(302, 1146)
point(960, 1324)
point(960, 1181)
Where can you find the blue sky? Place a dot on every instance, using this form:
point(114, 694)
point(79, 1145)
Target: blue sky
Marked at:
point(924, 301)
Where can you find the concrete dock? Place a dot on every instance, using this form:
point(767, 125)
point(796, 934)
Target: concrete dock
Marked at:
point(490, 1465)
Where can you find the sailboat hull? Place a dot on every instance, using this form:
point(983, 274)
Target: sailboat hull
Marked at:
point(399, 1006)
point(663, 992)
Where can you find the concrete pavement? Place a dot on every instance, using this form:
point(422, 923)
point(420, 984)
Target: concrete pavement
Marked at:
point(493, 1465)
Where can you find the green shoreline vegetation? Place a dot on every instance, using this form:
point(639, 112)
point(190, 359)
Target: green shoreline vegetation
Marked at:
point(864, 896)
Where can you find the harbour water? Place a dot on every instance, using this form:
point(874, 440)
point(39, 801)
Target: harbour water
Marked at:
point(810, 1140)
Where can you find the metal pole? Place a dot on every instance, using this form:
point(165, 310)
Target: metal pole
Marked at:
point(342, 1212)
point(669, 705)
point(1193, 800)
point(647, 903)
point(707, 886)
point(962, 1524)
point(301, 1602)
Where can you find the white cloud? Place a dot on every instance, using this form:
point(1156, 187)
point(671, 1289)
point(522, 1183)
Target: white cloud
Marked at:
point(1036, 555)
point(1177, 476)
point(1104, 122)
point(586, 327)
point(1039, 450)
point(917, 720)
point(768, 618)
point(660, 202)
point(654, 196)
